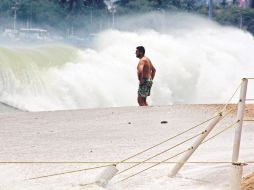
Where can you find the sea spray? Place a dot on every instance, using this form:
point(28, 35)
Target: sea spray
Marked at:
point(197, 61)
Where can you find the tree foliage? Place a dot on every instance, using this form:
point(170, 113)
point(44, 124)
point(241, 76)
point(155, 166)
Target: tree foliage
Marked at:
point(61, 14)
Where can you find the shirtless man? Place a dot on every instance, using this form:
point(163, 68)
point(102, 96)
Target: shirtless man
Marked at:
point(146, 73)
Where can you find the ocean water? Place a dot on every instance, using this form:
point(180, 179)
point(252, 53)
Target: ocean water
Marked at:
point(197, 61)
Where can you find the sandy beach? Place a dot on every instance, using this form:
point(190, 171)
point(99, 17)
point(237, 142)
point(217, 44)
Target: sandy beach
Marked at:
point(75, 138)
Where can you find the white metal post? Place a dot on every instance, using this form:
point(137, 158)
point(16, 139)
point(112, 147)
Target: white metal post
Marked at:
point(196, 144)
point(106, 175)
point(240, 115)
point(236, 176)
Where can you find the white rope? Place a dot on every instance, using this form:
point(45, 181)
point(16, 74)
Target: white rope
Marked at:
point(177, 153)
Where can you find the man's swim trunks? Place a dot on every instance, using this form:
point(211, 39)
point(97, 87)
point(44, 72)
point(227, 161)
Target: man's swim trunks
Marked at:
point(145, 87)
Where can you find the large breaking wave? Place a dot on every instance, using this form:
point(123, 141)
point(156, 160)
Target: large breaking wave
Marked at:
point(197, 61)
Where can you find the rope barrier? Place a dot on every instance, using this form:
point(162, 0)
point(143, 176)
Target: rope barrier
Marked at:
point(68, 172)
point(185, 130)
point(249, 99)
point(87, 184)
point(177, 135)
point(162, 152)
point(178, 153)
point(155, 165)
point(110, 163)
point(224, 108)
point(229, 100)
point(248, 120)
point(85, 169)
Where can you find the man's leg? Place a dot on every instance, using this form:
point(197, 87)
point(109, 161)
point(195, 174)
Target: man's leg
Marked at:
point(148, 94)
point(145, 103)
point(141, 101)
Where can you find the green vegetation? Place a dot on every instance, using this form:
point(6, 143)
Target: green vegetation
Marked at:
point(94, 14)
point(238, 17)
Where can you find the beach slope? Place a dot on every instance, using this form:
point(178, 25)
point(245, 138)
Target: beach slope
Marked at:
point(44, 143)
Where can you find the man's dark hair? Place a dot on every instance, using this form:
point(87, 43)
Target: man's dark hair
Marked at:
point(141, 49)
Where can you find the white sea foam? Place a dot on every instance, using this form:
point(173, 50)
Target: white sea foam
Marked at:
point(197, 61)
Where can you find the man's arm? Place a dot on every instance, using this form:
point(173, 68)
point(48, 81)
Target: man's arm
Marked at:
point(140, 69)
point(153, 71)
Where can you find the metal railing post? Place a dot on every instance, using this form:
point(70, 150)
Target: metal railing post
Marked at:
point(240, 115)
point(196, 144)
